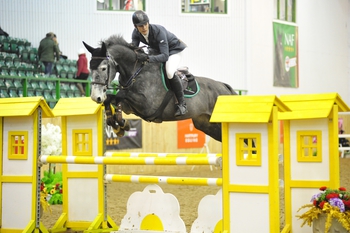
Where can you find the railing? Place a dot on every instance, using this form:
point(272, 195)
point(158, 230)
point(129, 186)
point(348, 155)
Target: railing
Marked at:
point(61, 86)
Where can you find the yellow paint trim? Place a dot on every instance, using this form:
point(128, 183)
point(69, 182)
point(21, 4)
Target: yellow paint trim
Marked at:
point(60, 225)
point(333, 148)
point(248, 158)
point(11, 230)
point(1, 164)
point(309, 183)
point(64, 166)
point(84, 174)
point(30, 228)
point(226, 177)
point(310, 152)
point(99, 223)
point(78, 225)
point(12, 145)
point(16, 179)
point(248, 188)
point(82, 142)
point(287, 172)
point(35, 184)
point(273, 172)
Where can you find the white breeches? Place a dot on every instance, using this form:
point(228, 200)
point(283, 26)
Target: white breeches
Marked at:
point(173, 63)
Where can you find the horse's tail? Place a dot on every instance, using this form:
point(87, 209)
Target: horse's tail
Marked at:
point(233, 92)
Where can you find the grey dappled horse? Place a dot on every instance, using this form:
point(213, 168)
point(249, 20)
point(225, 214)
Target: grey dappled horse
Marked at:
point(142, 91)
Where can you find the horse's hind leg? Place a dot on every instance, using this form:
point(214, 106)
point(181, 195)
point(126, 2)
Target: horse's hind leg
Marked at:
point(212, 129)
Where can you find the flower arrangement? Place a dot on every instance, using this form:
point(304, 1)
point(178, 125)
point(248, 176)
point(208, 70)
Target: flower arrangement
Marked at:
point(335, 203)
point(51, 187)
point(51, 139)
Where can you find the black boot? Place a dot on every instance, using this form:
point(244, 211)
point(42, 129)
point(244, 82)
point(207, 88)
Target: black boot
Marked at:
point(176, 84)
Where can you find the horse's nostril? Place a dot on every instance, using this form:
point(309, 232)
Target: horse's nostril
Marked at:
point(98, 99)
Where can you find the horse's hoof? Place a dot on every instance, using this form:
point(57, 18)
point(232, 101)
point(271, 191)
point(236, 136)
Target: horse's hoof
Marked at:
point(116, 129)
point(126, 126)
point(121, 133)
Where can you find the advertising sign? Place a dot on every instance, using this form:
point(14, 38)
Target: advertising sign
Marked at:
point(131, 139)
point(285, 36)
point(188, 136)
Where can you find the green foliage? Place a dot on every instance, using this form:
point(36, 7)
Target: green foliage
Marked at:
point(51, 184)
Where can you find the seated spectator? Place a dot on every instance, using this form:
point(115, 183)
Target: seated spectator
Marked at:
point(343, 141)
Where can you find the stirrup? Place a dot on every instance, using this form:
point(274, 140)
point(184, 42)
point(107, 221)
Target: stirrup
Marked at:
point(181, 110)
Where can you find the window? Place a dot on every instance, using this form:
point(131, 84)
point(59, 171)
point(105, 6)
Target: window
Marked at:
point(286, 10)
point(309, 146)
point(204, 6)
point(18, 145)
point(121, 5)
point(248, 149)
point(82, 142)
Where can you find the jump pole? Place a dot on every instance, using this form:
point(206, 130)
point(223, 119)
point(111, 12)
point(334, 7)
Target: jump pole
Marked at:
point(137, 154)
point(199, 181)
point(131, 160)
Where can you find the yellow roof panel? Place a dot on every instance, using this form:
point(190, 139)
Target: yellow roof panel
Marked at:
point(308, 106)
point(24, 106)
point(76, 106)
point(237, 108)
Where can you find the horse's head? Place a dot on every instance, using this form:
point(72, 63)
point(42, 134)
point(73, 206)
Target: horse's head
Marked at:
point(99, 72)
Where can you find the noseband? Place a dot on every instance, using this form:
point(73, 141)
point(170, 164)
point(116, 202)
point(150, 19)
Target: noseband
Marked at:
point(106, 82)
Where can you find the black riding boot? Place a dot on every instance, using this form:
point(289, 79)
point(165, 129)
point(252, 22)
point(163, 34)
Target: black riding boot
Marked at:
point(177, 88)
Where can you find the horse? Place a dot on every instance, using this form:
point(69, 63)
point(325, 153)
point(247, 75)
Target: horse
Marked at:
point(143, 90)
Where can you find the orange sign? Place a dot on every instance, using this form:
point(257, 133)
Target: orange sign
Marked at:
point(188, 136)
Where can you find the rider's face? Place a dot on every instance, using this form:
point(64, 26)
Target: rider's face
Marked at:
point(143, 29)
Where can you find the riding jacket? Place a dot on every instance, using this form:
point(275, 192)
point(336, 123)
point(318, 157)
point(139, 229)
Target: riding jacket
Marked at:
point(161, 40)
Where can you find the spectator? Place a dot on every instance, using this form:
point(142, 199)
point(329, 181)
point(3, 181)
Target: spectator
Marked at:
point(61, 55)
point(343, 141)
point(82, 70)
point(47, 52)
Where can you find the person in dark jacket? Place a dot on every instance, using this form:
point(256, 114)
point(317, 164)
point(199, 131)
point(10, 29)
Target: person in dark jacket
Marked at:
point(47, 52)
point(82, 70)
point(171, 51)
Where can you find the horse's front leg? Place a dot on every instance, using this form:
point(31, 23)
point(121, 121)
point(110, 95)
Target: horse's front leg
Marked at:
point(118, 116)
point(109, 110)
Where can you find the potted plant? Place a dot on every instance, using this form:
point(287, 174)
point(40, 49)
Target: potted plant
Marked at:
point(330, 208)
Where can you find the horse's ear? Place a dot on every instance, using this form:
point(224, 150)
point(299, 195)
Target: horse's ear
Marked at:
point(103, 48)
point(88, 47)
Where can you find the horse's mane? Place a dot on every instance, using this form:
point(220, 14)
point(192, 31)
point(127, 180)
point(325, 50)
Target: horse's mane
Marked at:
point(118, 40)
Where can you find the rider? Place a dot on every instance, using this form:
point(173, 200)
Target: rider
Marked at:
point(171, 51)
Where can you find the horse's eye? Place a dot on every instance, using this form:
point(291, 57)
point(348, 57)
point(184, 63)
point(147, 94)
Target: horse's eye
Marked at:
point(104, 69)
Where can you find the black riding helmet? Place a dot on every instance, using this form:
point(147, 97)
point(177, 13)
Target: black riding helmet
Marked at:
point(139, 18)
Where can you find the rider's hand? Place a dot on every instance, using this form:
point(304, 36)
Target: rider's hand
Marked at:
point(142, 57)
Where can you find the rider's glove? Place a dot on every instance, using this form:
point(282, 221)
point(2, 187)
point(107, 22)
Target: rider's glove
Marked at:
point(142, 57)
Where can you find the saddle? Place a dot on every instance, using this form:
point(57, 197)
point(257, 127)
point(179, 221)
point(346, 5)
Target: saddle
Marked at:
point(189, 83)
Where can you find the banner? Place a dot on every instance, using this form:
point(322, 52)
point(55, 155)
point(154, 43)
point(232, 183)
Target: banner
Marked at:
point(188, 136)
point(285, 36)
point(131, 139)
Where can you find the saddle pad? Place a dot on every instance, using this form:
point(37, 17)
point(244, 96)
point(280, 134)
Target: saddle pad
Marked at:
point(192, 88)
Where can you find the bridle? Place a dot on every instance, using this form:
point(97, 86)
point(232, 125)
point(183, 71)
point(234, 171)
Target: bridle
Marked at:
point(129, 82)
